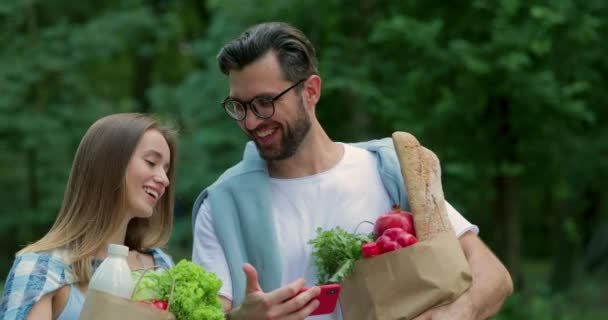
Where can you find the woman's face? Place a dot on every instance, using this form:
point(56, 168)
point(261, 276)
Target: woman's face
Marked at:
point(147, 174)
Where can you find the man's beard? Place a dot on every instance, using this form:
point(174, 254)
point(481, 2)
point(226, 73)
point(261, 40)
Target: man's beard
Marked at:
point(291, 139)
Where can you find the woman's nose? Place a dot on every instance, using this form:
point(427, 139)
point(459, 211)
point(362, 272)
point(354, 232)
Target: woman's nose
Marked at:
point(162, 178)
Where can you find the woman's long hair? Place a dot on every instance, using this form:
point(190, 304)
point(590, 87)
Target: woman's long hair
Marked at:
point(96, 194)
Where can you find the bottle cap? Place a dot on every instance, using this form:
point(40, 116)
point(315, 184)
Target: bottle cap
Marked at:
point(118, 249)
point(370, 249)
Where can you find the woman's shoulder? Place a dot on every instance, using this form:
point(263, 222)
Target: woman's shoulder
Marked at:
point(160, 257)
point(33, 275)
point(53, 267)
point(61, 254)
point(54, 262)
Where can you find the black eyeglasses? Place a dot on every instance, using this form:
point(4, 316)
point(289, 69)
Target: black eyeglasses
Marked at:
point(262, 107)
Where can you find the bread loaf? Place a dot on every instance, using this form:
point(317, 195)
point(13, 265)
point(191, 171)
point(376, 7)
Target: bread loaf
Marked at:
point(422, 177)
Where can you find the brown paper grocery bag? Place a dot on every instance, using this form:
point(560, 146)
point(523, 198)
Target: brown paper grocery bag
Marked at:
point(102, 306)
point(404, 283)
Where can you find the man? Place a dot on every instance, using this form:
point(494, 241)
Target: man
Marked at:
point(251, 227)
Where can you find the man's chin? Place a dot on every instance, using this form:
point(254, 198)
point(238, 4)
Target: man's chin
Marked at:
point(268, 156)
point(274, 152)
point(267, 153)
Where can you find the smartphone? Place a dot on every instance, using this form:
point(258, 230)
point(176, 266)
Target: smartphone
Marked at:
point(328, 298)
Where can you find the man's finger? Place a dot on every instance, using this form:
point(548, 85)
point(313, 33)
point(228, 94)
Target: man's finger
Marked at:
point(285, 293)
point(297, 303)
point(252, 279)
point(305, 311)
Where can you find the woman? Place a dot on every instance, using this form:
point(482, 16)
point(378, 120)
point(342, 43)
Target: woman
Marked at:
point(118, 192)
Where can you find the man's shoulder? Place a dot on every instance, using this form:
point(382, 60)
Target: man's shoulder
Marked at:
point(251, 163)
point(384, 152)
point(375, 144)
point(239, 171)
point(250, 167)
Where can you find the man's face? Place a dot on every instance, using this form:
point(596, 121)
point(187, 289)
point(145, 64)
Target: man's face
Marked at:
point(278, 137)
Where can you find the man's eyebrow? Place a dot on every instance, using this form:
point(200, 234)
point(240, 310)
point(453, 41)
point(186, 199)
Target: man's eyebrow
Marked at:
point(259, 95)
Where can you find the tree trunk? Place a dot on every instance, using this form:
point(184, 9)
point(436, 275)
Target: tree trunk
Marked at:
point(508, 221)
point(506, 213)
point(143, 66)
point(596, 248)
point(30, 153)
point(142, 78)
point(563, 247)
point(32, 177)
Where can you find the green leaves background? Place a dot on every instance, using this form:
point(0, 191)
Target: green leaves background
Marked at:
point(510, 94)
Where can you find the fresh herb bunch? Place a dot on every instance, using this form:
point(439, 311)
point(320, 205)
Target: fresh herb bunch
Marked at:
point(335, 252)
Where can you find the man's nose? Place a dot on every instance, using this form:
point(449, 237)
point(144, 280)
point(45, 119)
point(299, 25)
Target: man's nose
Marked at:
point(251, 120)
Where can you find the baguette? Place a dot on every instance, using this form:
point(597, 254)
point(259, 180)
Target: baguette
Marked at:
point(421, 173)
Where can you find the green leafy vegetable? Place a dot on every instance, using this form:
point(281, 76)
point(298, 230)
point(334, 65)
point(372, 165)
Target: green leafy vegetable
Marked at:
point(148, 287)
point(195, 296)
point(335, 252)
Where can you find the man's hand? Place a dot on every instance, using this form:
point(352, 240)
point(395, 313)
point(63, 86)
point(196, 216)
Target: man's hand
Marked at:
point(281, 303)
point(460, 309)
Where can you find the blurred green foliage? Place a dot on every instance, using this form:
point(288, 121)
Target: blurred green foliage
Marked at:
point(585, 300)
point(510, 94)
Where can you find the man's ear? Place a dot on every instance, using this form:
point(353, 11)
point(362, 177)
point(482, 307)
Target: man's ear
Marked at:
point(312, 90)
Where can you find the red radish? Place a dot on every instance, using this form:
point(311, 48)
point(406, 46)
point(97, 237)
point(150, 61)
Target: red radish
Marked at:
point(397, 235)
point(405, 240)
point(159, 304)
point(370, 249)
point(386, 244)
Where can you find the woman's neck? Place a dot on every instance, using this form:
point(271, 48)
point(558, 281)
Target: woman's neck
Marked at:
point(117, 237)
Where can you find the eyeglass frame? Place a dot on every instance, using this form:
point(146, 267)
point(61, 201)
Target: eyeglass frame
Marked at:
point(249, 105)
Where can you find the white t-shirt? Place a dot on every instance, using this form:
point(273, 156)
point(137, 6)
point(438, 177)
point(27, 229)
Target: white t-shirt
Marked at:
point(343, 196)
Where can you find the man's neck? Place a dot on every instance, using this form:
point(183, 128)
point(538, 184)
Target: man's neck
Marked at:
point(316, 154)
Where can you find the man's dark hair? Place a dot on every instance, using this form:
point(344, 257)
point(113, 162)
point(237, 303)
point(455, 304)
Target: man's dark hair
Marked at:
point(294, 51)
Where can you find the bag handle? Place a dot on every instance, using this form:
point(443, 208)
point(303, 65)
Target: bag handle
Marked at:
point(154, 268)
point(360, 223)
